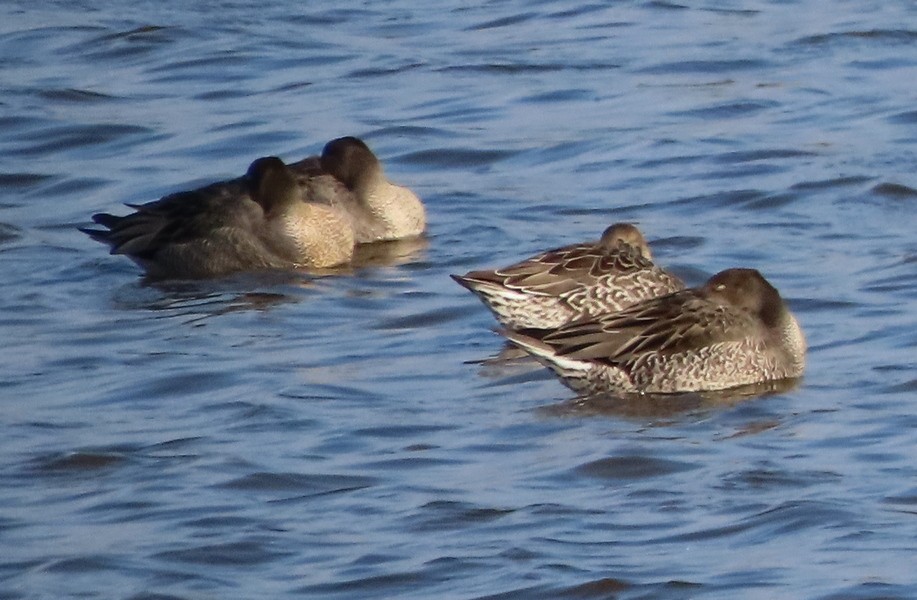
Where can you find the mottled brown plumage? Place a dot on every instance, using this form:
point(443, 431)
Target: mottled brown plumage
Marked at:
point(563, 284)
point(734, 330)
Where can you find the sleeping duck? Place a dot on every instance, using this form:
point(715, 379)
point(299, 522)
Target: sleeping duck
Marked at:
point(735, 330)
point(560, 285)
point(379, 210)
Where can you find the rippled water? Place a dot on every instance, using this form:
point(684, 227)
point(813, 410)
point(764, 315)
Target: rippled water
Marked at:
point(340, 437)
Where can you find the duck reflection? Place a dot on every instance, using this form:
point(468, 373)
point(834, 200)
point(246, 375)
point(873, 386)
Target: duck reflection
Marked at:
point(389, 254)
point(262, 290)
point(664, 406)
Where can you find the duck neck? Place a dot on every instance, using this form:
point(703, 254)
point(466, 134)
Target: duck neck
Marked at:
point(370, 187)
point(792, 338)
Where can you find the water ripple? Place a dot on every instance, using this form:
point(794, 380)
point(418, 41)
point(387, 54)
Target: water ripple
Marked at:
point(455, 158)
point(77, 462)
point(288, 434)
point(503, 21)
point(705, 66)
point(236, 554)
point(893, 36)
point(632, 467)
point(905, 118)
point(730, 110)
point(312, 484)
point(447, 515)
point(788, 516)
point(114, 136)
point(75, 96)
point(895, 191)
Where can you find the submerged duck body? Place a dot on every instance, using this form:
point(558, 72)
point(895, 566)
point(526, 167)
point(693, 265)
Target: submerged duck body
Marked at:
point(252, 223)
point(330, 202)
point(734, 330)
point(571, 282)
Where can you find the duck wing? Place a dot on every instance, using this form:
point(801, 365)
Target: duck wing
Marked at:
point(178, 218)
point(677, 323)
point(562, 271)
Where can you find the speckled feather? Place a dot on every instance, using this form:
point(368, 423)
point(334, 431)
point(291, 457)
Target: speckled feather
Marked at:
point(563, 284)
point(700, 339)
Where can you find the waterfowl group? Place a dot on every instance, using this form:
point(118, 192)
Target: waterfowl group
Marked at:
point(604, 318)
point(307, 214)
point(600, 314)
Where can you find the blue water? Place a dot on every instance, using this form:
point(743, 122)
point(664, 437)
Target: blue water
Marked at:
point(266, 437)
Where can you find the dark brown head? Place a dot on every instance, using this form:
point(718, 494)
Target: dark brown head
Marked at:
point(748, 290)
point(625, 233)
point(270, 183)
point(350, 161)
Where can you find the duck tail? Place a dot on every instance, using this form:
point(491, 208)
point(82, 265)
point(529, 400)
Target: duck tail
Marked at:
point(530, 341)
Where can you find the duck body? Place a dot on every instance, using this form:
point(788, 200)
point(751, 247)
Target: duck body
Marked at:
point(580, 280)
point(734, 330)
point(349, 177)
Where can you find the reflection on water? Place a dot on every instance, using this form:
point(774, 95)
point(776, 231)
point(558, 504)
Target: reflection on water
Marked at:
point(514, 364)
point(390, 254)
point(343, 434)
point(655, 406)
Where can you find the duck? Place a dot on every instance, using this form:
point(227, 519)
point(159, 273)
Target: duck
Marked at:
point(307, 234)
point(734, 330)
point(354, 181)
point(256, 222)
point(571, 282)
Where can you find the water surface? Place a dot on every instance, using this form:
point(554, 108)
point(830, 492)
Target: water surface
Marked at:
point(292, 436)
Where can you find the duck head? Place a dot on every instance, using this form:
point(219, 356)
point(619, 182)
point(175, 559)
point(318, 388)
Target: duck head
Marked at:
point(352, 163)
point(271, 184)
point(625, 233)
point(748, 290)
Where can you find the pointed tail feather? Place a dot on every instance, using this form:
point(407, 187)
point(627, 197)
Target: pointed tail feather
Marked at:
point(528, 341)
point(99, 235)
point(575, 373)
